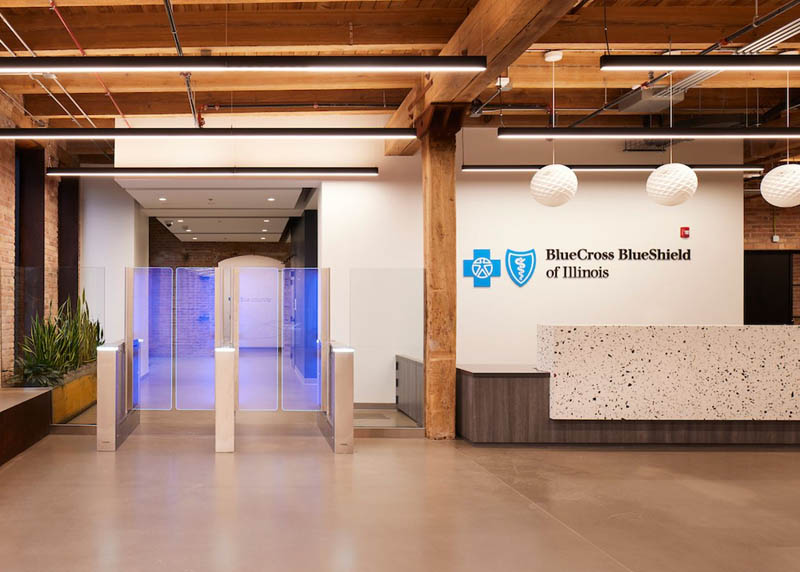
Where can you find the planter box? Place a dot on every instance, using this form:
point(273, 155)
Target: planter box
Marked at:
point(76, 394)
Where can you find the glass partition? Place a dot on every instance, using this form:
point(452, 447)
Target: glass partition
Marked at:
point(152, 337)
point(304, 338)
point(386, 331)
point(258, 340)
point(194, 338)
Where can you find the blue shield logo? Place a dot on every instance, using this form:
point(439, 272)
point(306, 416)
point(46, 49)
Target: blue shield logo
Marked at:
point(520, 265)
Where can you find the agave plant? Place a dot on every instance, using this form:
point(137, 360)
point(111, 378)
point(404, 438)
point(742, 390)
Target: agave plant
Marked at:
point(58, 344)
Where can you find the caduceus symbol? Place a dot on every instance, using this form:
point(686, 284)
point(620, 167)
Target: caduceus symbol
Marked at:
point(521, 267)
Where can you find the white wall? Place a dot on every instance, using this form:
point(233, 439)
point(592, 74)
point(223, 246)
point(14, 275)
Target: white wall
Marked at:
point(368, 225)
point(611, 211)
point(109, 241)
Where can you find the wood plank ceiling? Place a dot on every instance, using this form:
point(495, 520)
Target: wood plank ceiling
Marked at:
point(413, 27)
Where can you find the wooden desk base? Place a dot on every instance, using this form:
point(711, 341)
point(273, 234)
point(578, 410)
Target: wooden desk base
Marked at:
point(516, 409)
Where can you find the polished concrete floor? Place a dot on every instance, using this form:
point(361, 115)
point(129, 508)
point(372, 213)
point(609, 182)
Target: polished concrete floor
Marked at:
point(370, 417)
point(283, 502)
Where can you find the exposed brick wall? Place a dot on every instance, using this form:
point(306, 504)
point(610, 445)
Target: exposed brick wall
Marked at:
point(166, 250)
point(759, 218)
point(9, 117)
point(7, 255)
point(51, 233)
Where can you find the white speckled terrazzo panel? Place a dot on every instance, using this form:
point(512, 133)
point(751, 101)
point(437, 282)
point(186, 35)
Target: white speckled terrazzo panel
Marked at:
point(673, 372)
point(545, 344)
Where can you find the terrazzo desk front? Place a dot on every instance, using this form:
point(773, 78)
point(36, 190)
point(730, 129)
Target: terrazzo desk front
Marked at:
point(640, 385)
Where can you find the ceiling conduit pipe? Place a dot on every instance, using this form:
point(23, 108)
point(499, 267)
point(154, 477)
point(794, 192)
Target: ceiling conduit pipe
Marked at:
point(721, 43)
point(33, 77)
point(187, 77)
point(55, 79)
point(57, 12)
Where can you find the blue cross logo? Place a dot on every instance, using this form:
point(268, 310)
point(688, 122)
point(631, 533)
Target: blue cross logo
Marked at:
point(481, 268)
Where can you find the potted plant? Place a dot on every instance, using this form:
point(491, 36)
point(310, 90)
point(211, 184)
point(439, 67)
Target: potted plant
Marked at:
point(60, 352)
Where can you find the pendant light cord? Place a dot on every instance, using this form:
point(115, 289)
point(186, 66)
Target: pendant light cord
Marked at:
point(787, 115)
point(670, 112)
point(553, 110)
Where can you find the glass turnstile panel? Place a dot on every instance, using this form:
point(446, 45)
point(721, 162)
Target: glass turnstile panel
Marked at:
point(301, 351)
point(152, 338)
point(258, 307)
point(194, 338)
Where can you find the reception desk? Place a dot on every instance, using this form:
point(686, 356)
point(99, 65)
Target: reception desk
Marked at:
point(701, 385)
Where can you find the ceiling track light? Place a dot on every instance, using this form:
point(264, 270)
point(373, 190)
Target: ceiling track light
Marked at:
point(743, 62)
point(315, 64)
point(212, 172)
point(71, 133)
point(607, 168)
point(645, 134)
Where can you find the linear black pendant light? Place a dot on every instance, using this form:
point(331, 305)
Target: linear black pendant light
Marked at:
point(645, 134)
point(209, 133)
point(212, 172)
point(745, 62)
point(607, 168)
point(319, 64)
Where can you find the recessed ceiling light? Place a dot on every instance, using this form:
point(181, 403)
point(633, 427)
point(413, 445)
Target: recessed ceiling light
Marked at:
point(180, 220)
point(194, 238)
point(188, 230)
point(162, 199)
point(263, 238)
point(266, 220)
point(271, 199)
point(263, 230)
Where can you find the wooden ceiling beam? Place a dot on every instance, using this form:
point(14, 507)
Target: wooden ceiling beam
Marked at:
point(501, 31)
point(98, 105)
point(105, 3)
point(213, 82)
point(107, 32)
point(569, 102)
point(658, 27)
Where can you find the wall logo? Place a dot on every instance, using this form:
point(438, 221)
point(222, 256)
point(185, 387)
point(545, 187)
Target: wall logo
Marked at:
point(481, 268)
point(520, 265)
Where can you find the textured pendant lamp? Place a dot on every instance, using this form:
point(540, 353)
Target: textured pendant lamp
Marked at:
point(781, 186)
point(554, 185)
point(672, 184)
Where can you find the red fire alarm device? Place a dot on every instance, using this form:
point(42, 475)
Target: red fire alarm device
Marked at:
point(684, 232)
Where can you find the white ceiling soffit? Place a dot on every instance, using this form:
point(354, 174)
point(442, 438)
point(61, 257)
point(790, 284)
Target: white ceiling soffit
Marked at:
point(224, 225)
point(229, 237)
point(216, 198)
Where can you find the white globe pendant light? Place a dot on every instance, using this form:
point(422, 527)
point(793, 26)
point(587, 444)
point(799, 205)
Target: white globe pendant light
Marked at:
point(672, 184)
point(781, 186)
point(554, 185)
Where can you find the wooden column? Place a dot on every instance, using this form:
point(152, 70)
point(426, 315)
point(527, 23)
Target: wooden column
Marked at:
point(437, 130)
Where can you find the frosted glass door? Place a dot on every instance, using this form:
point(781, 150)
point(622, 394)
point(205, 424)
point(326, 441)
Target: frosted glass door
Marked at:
point(194, 338)
point(259, 338)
